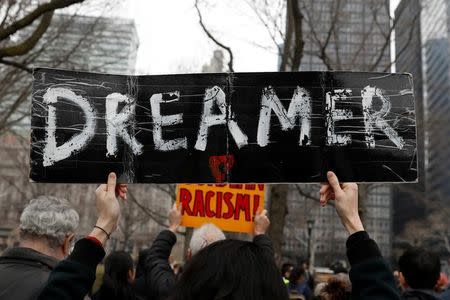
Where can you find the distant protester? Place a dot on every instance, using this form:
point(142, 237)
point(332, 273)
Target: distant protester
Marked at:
point(231, 270)
point(419, 273)
point(118, 278)
point(446, 294)
point(443, 287)
point(442, 283)
point(298, 284)
point(286, 270)
point(309, 277)
point(47, 230)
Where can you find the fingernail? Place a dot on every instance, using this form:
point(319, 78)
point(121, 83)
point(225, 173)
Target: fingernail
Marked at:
point(112, 175)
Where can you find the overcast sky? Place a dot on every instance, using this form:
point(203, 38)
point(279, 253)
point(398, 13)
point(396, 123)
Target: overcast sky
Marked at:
point(171, 39)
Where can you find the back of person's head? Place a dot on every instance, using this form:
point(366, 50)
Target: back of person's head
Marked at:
point(286, 269)
point(420, 268)
point(205, 235)
point(297, 274)
point(231, 270)
point(48, 219)
point(334, 289)
point(119, 274)
point(304, 263)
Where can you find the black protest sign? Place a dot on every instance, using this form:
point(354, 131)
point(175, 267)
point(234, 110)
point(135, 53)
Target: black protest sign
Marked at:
point(239, 127)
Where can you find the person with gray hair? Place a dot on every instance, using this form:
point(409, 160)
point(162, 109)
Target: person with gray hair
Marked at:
point(203, 236)
point(47, 230)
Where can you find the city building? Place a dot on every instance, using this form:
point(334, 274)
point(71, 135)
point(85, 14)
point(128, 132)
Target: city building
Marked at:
point(423, 49)
point(74, 42)
point(86, 43)
point(427, 57)
point(345, 37)
point(435, 37)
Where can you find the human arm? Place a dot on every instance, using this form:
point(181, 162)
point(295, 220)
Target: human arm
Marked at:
point(73, 277)
point(159, 274)
point(261, 224)
point(370, 275)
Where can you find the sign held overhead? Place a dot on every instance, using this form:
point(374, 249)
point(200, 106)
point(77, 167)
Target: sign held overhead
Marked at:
point(239, 127)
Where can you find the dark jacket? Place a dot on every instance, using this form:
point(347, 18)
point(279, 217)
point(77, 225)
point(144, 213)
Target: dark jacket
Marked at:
point(300, 289)
point(411, 294)
point(23, 273)
point(74, 276)
point(160, 276)
point(371, 276)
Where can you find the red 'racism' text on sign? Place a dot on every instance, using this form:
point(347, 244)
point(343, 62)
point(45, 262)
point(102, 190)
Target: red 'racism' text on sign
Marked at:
point(231, 207)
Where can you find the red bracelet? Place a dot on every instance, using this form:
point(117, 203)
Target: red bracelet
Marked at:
point(95, 240)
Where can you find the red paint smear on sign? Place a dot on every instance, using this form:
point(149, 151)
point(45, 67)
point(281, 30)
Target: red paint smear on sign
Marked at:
point(220, 166)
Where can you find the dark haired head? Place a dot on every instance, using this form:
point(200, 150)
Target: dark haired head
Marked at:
point(286, 268)
point(116, 280)
point(420, 268)
point(231, 270)
point(296, 274)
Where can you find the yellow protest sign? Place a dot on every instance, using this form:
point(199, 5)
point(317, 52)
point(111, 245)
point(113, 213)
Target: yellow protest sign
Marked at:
point(231, 207)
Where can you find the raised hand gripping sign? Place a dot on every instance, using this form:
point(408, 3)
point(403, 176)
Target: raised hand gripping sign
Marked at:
point(238, 127)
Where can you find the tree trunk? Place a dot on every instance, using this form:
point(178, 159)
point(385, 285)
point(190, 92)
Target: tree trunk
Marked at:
point(363, 192)
point(278, 211)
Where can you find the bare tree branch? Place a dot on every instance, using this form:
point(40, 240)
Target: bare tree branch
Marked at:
point(28, 44)
point(29, 18)
point(158, 218)
point(309, 196)
point(22, 97)
point(212, 38)
point(16, 64)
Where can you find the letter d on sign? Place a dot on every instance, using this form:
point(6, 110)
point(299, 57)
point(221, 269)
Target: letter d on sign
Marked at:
point(52, 152)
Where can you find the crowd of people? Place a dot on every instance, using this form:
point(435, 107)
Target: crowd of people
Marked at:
point(46, 264)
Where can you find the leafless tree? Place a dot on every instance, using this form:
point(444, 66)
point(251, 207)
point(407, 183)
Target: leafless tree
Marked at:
point(433, 229)
point(307, 27)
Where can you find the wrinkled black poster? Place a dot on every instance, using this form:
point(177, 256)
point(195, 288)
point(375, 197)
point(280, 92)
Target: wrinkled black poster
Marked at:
point(238, 127)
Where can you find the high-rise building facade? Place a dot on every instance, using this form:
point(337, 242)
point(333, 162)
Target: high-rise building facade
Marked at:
point(74, 42)
point(423, 49)
point(85, 43)
point(353, 40)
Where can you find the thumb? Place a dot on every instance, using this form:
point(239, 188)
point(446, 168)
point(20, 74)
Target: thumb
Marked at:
point(111, 182)
point(334, 182)
point(259, 210)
